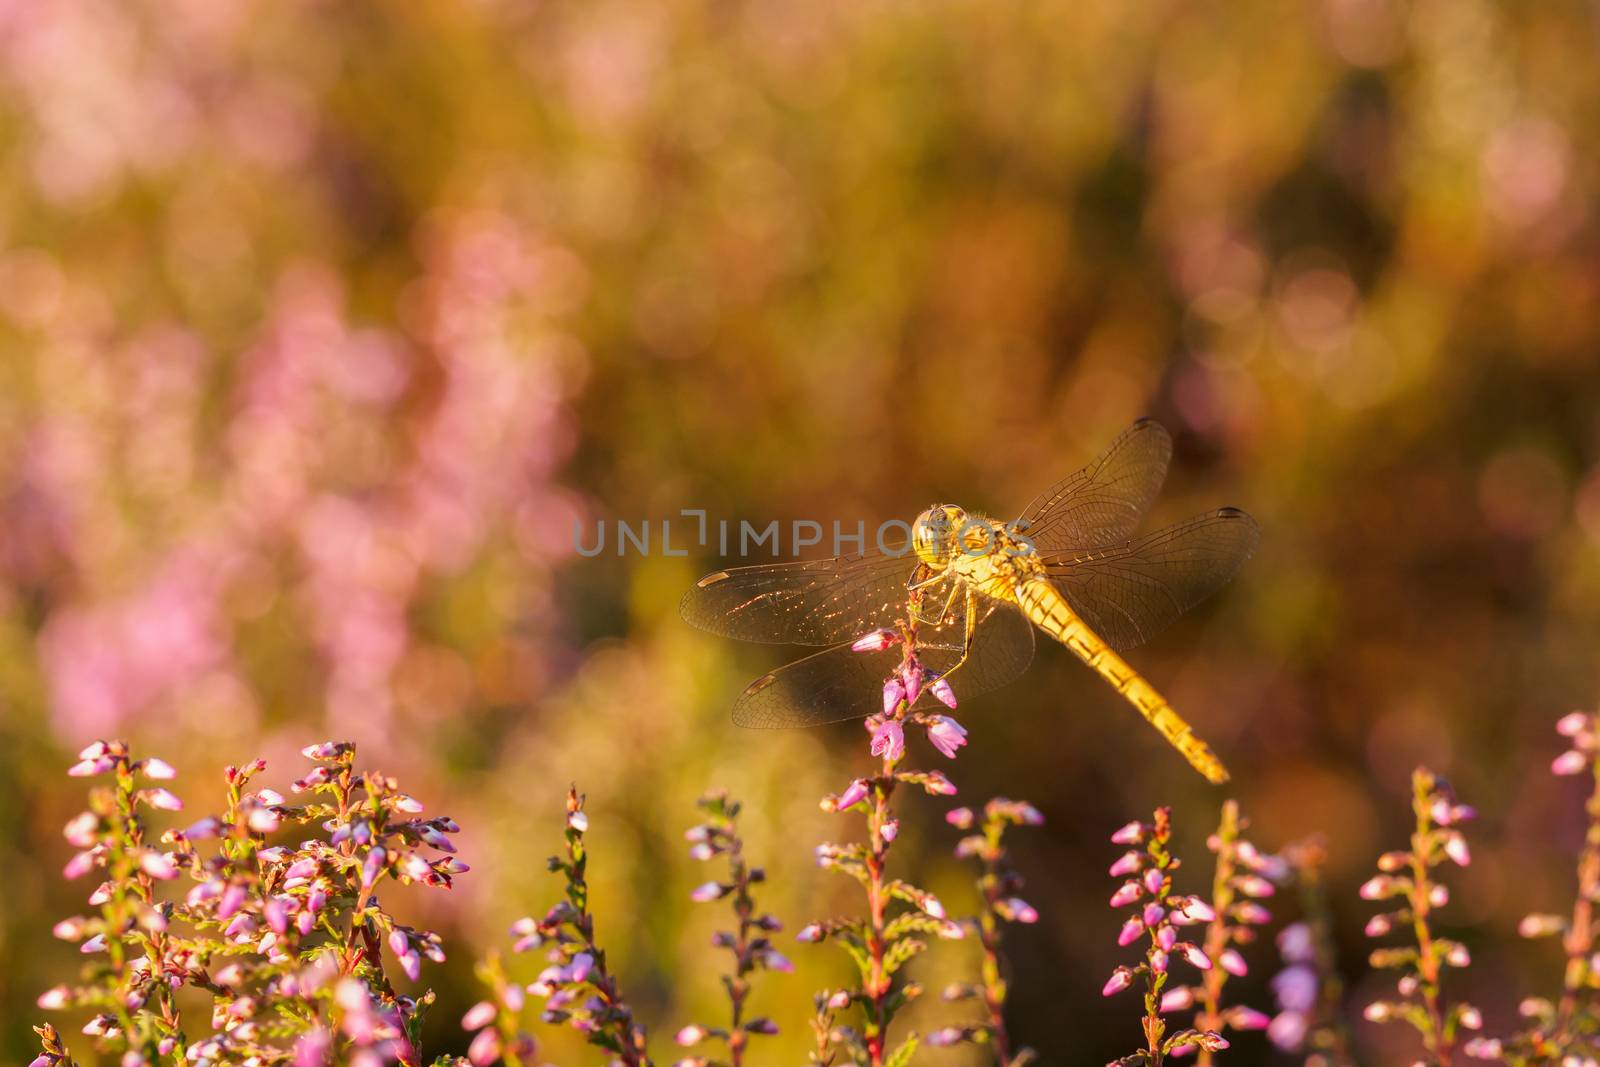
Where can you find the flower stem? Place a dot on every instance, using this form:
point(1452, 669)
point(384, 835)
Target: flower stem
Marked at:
point(1210, 1016)
point(1580, 936)
point(1436, 1037)
point(878, 981)
point(994, 985)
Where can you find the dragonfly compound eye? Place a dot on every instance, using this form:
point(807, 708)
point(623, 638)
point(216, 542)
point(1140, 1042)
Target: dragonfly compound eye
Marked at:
point(933, 536)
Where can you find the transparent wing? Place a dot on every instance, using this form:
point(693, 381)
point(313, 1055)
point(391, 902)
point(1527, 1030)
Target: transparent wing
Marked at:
point(1103, 503)
point(813, 602)
point(841, 684)
point(1127, 593)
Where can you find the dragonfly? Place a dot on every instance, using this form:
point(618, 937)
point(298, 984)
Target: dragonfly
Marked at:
point(973, 590)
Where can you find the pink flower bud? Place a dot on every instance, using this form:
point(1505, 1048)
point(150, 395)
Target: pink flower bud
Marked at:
point(157, 865)
point(485, 1048)
point(946, 734)
point(479, 1015)
point(1153, 913)
point(1195, 908)
point(854, 794)
point(1130, 892)
point(69, 929)
point(158, 769)
point(1233, 963)
point(1377, 887)
point(578, 970)
point(809, 933)
point(1153, 879)
point(1253, 885)
point(1243, 1018)
point(1166, 937)
point(707, 892)
point(960, 818)
point(82, 830)
point(1131, 834)
point(692, 1034)
point(1251, 914)
point(1572, 724)
point(911, 674)
point(163, 799)
point(1120, 979)
point(938, 785)
point(1131, 932)
point(1196, 957)
point(89, 768)
point(943, 693)
point(1128, 863)
point(1455, 846)
point(1569, 762)
point(876, 641)
point(894, 691)
point(372, 866)
point(1538, 925)
point(1015, 909)
point(1180, 999)
point(890, 829)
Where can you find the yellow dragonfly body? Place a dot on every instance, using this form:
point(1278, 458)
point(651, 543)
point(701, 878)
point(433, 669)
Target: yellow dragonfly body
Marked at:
point(973, 589)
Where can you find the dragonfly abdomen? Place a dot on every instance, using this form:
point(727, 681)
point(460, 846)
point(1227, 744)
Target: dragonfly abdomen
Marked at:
point(1048, 609)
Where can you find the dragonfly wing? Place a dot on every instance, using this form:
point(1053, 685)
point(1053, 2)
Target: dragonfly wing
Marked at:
point(1126, 594)
point(812, 602)
point(841, 684)
point(1103, 503)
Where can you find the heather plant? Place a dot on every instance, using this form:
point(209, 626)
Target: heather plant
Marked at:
point(1410, 879)
point(998, 885)
point(577, 987)
point(1243, 876)
point(748, 942)
point(899, 915)
point(1309, 990)
point(289, 942)
point(1565, 1030)
point(1159, 913)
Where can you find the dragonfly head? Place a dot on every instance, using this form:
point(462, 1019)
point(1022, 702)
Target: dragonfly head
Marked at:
point(935, 533)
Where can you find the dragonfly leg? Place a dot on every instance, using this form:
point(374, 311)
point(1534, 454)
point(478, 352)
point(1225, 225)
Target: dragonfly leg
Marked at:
point(944, 612)
point(972, 628)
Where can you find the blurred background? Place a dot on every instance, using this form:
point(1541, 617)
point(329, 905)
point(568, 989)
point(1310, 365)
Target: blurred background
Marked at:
point(321, 324)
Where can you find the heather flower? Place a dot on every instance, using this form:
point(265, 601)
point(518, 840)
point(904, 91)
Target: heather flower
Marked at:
point(1408, 877)
point(1157, 902)
point(889, 741)
point(946, 734)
